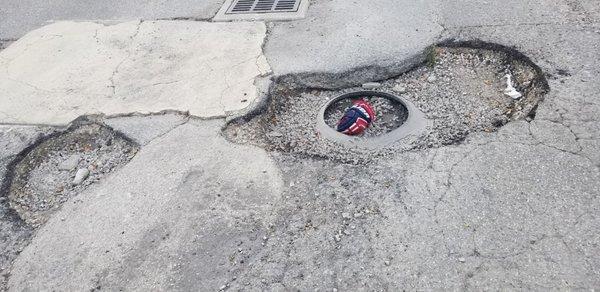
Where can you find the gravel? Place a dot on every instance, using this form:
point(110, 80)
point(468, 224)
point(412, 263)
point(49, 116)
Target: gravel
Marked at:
point(462, 93)
point(62, 166)
point(70, 163)
point(399, 88)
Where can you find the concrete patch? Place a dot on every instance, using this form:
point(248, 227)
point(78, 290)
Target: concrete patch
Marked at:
point(177, 216)
point(67, 69)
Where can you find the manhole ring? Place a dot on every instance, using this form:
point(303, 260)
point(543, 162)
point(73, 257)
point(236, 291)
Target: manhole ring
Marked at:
point(414, 125)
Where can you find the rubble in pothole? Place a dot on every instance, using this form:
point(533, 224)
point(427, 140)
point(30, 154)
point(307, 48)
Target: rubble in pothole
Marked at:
point(62, 166)
point(461, 90)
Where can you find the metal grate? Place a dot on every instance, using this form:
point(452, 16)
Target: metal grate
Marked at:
point(263, 6)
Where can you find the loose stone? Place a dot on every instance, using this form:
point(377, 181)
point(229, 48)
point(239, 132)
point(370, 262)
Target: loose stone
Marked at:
point(81, 175)
point(371, 85)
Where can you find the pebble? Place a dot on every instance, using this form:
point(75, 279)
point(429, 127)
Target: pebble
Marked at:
point(274, 134)
point(399, 89)
point(462, 260)
point(431, 78)
point(70, 163)
point(357, 215)
point(346, 215)
point(81, 175)
point(371, 85)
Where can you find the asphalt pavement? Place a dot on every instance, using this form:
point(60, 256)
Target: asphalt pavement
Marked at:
point(512, 209)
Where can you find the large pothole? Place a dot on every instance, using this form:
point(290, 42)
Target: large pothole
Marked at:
point(59, 167)
point(460, 90)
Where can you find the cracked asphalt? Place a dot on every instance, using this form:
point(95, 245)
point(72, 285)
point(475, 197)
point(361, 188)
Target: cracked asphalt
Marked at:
point(513, 209)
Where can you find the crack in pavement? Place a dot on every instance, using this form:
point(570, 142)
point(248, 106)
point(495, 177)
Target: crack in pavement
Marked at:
point(111, 79)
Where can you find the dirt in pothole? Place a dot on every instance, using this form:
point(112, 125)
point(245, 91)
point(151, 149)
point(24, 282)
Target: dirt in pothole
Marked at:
point(62, 166)
point(389, 115)
point(462, 91)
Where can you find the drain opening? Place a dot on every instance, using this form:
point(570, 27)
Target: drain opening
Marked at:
point(389, 113)
point(395, 119)
point(262, 9)
point(263, 6)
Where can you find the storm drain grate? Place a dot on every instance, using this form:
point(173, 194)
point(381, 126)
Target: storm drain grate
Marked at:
point(262, 9)
point(263, 6)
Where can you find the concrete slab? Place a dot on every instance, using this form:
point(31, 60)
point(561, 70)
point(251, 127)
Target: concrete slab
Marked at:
point(170, 219)
point(67, 69)
point(338, 36)
point(17, 17)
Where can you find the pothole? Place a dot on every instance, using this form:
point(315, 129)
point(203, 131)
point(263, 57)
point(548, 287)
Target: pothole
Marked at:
point(459, 90)
point(61, 166)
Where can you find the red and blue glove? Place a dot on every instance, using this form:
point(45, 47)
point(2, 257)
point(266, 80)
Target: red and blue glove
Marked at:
point(357, 118)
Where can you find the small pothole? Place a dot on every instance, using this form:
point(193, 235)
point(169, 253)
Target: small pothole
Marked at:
point(59, 167)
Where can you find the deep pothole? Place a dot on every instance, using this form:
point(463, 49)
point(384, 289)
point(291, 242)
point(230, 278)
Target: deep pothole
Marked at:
point(61, 166)
point(459, 90)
